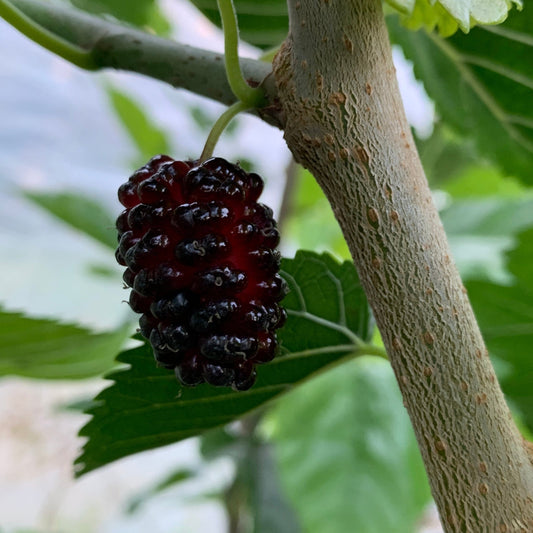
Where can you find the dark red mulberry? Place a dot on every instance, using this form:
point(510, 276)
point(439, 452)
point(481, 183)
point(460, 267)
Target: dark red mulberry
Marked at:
point(201, 259)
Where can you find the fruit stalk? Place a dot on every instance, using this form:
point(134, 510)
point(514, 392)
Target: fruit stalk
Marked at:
point(219, 127)
point(344, 121)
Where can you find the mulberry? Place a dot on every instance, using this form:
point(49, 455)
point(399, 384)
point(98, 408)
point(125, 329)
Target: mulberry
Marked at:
point(201, 259)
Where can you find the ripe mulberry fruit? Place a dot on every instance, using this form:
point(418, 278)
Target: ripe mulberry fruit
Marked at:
point(201, 259)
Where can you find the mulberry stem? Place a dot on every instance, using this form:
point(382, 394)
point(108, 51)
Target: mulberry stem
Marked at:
point(239, 86)
point(220, 126)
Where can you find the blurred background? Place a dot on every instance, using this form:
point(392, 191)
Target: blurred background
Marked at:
point(66, 130)
point(70, 138)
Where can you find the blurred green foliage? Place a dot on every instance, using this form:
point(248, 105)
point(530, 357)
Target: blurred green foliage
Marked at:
point(481, 87)
point(143, 13)
point(348, 454)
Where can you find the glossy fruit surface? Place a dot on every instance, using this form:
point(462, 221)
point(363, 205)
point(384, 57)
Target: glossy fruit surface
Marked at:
point(201, 258)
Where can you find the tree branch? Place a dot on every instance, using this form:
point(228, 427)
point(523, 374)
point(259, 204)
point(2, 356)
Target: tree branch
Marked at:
point(345, 122)
point(124, 48)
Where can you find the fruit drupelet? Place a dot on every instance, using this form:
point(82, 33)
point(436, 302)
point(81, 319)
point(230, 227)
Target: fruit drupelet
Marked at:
point(201, 259)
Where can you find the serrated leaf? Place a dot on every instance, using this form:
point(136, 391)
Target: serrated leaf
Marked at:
point(149, 139)
point(505, 315)
point(470, 12)
point(145, 408)
point(45, 349)
point(425, 14)
point(79, 212)
point(347, 454)
point(264, 24)
point(482, 85)
point(448, 15)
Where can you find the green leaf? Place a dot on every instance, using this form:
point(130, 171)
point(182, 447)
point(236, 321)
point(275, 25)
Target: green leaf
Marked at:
point(505, 315)
point(451, 163)
point(347, 452)
point(520, 259)
point(483, 180)
point(311, 223)
point(264, 24)
point(145, 408)
point(448, 15)
point(444, 155)
point(45, 349)
point(79, 212)
point(426, 14)
point(488, 216)
point(480, 231)
point(148, 138)
point(482, 85)
point(80, 405)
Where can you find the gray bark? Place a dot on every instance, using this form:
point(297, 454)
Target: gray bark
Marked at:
point(344, 121)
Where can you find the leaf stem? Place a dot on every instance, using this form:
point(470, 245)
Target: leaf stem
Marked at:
point(20, 21)
point(220, 126)
point(372, 349)
point(239, 86)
